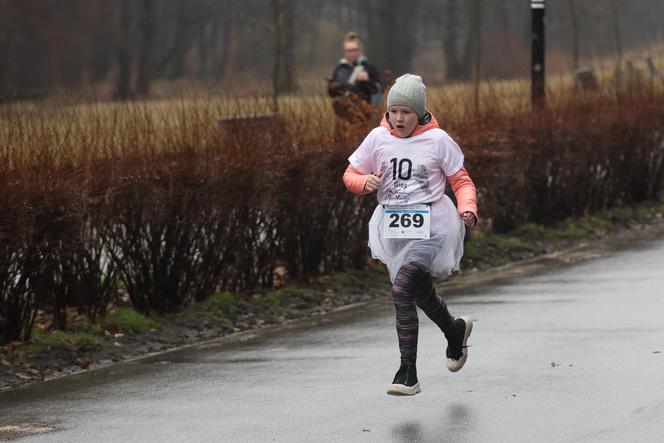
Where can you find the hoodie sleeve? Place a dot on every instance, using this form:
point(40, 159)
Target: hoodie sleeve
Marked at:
point(355, 180)
point(465, 191)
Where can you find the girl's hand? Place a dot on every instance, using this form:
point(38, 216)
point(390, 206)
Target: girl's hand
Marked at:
point(372, 183)
point(469, 218)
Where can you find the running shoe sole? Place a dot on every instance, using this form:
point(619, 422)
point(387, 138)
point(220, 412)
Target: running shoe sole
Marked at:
point(401, 390)
point(456, 365)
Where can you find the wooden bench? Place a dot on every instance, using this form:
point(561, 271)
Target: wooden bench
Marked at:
point(634, 74)
point(654, 72)
point(585, 79)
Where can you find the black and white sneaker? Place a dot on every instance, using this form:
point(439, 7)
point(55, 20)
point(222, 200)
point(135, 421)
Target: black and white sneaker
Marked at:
point(405, 381)
point(457, 339)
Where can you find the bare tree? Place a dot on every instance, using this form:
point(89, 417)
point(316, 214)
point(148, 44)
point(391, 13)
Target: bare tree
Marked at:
point(616, 30)
point(172, 59)
point(278, 51)
point(180, 30)
point(207, 38)
point(453, 66)
point(145, 62)
point(223, 53)
point(7, 36)
point(392, 32)
point(123, 85)
point(459, 40)
point(288, 81)
point(575, 33)
point(477, 32)
point(46, 44)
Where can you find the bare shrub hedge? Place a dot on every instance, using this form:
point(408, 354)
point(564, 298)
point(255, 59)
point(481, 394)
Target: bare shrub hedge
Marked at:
point(170, 208)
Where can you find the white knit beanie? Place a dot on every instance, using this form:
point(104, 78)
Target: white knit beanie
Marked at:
point(408, 90)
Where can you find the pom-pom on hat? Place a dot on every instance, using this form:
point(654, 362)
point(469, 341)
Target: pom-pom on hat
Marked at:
point(408, 90)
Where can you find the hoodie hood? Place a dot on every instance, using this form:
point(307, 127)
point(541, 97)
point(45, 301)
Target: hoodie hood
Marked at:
point(344, 61)
point(419, 129)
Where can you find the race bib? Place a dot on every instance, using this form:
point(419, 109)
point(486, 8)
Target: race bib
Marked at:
point(407, 221)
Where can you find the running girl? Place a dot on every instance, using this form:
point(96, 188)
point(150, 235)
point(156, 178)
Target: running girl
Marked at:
point(416, 229)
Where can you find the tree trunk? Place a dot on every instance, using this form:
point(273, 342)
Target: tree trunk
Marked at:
point(5, 51)
point(477, 32)
point(458, 65)
point(278, 51)
point(145, 65)
point(372, 47)
point(123, 86)
point(453, 68)
point(221, 63)
point(470, 44)
point(173, 61)
point(392, 33)
point(616, 31)
point(289, 81)
point(206, 38)
point(574, 18)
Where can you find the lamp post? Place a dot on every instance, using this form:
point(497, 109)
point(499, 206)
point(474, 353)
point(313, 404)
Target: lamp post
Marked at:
point(538, 8)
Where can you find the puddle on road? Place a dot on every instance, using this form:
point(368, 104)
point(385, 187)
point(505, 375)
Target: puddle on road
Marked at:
point(13, 431)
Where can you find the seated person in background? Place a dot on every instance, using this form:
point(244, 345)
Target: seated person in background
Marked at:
point(354, 75)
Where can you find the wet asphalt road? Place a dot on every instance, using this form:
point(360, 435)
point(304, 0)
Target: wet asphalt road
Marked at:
point(575, 354)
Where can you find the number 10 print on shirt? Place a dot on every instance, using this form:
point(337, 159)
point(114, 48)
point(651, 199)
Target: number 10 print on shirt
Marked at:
point(404, 174)
point(401, 171)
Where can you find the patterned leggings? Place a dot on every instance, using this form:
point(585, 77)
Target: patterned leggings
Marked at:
point(414, 287)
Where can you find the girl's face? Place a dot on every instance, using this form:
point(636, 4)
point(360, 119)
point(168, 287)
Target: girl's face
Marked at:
point(403, 119)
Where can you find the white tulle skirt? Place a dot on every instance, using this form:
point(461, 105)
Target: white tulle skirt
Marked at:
point(440, 254)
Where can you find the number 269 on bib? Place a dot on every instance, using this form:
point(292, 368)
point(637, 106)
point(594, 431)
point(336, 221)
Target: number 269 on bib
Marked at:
point(412, 221)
